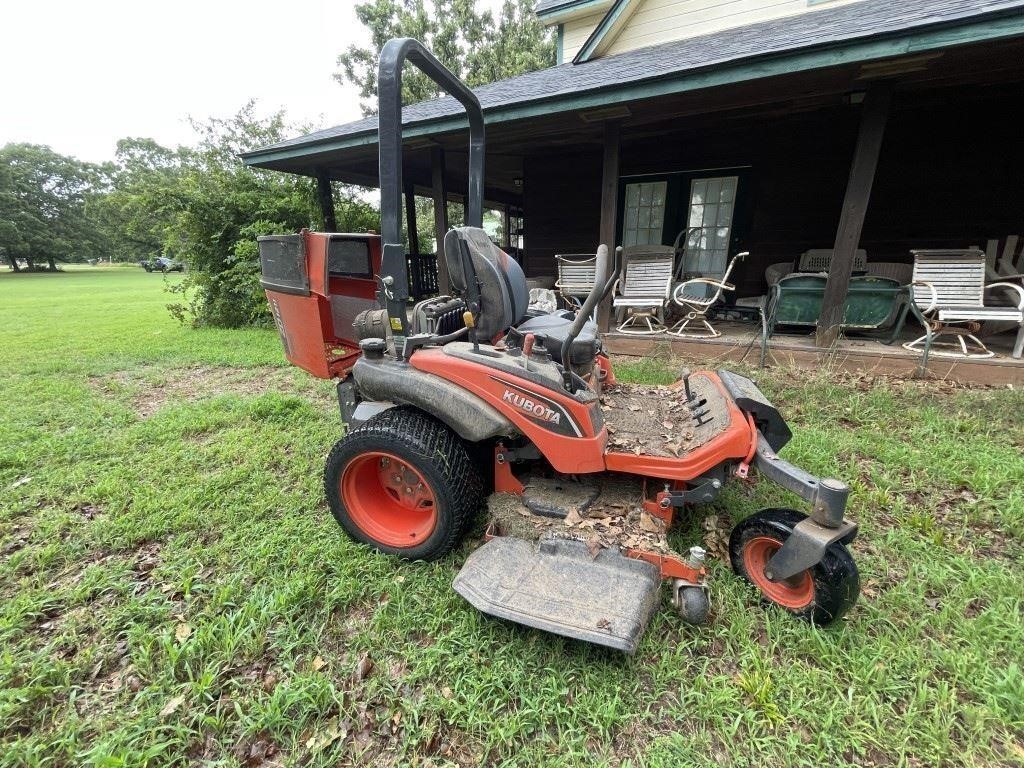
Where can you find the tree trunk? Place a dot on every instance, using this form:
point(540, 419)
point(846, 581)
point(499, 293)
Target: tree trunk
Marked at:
point(14, 262)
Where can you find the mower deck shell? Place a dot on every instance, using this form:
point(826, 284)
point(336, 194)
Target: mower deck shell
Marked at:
point(556, 585)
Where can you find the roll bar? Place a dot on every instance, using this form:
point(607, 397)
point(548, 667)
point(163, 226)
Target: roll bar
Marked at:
point(395, 283)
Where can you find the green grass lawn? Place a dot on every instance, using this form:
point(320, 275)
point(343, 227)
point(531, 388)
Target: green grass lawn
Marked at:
point(173, 590)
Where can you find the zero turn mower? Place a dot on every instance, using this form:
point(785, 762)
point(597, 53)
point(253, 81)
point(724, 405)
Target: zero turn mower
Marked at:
point(473, 402)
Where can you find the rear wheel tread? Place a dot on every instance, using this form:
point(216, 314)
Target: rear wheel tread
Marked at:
point(437, 451)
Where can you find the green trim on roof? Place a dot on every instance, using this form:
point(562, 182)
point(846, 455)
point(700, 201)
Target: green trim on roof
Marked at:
point(847, 52)
point(568, 7)
point(601, 31)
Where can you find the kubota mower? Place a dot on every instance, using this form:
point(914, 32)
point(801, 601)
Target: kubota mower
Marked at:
point(467, 401)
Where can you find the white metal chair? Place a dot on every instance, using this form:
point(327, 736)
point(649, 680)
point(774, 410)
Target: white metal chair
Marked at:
point(641, 292)
point(692, 296)
point(947, 296)
point(576, 275)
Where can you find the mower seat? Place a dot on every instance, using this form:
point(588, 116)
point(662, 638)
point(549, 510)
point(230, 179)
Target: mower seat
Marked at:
point(475, 263)
point(551, 332)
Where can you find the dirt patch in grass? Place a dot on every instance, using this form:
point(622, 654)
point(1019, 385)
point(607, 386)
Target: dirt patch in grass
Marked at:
point(152, 388)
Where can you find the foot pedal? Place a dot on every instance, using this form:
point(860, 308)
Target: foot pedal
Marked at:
point(555, 585)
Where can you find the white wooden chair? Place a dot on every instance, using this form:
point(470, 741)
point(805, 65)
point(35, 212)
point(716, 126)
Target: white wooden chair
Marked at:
point(576, 275)
point(642, 291)
point(693, 296)
point(948, 296)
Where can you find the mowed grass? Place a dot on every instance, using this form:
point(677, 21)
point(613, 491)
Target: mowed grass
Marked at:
point(174, 592)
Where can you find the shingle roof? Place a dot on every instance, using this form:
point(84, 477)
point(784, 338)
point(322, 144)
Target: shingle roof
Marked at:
point(822, 28)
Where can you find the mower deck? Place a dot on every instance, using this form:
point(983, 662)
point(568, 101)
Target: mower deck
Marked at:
point(556, 585)
point(604, 513)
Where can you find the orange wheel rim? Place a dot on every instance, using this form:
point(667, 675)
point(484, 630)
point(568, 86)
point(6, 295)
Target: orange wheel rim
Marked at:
point(389, 499)
point(795, 592)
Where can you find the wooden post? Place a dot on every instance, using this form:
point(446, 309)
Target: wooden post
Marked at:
point(326, 199)
point(609, 208)
point(873, 117)
point(410, 220)
point(440, 217)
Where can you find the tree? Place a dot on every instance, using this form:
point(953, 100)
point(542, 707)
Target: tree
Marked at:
point(465, 39)
point(222, 207)
point(46, 206)
point(145, 198)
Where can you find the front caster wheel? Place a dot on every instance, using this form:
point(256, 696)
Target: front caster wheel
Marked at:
point(691, 602)
point(404, 484)
point(820, 594)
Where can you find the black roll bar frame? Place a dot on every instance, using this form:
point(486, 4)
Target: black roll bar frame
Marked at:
point(394, 291)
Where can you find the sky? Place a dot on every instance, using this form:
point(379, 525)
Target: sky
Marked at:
point(78, 75)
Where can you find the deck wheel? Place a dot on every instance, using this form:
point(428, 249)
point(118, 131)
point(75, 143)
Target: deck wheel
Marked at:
point(404, 484)
point(820, 594)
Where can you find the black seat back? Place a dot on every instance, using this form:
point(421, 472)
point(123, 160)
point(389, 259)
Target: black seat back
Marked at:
point(480, 271)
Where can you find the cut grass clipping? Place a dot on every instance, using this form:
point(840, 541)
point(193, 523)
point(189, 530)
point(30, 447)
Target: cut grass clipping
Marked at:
point(174, 592)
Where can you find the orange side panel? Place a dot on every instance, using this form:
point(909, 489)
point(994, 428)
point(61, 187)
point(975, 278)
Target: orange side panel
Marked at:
point(299, 323)
point(570, 444)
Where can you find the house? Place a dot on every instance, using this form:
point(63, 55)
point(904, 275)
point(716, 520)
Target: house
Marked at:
point(777, 126)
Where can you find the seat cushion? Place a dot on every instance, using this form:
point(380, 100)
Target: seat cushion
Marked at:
point(552, 330)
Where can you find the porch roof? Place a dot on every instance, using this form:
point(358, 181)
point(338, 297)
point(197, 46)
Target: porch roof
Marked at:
point(863, 31)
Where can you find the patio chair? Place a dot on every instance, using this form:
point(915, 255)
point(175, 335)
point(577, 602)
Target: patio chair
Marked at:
point(642, 291)
point(576, 275)
point(696, 300)
point(947, 296)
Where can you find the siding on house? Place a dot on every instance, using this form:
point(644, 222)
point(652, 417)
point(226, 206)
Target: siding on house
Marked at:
point(575, 33)
point(660, 21)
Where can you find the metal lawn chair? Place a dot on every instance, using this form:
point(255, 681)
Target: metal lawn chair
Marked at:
point(696, 300)
point(947, 296)
point(642, 291)
point(576, 274)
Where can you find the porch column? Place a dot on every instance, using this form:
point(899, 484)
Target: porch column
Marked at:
point(506, 236)
point(609, 208)
point(440, 217)
point(410, 220)
point(873, 117)
point(326, 199)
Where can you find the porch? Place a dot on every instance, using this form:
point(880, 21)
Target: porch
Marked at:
point(881, 142)
point(741, 343)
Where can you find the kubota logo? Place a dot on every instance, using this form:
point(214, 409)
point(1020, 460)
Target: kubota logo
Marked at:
point(537, 410)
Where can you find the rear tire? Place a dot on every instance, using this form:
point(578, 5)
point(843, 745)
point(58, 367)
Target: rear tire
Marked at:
point(403, 483)
point(820, 594)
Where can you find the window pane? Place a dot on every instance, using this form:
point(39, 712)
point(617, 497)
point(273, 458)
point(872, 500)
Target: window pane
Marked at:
point(644, 218)
point(724, 215)
point(714, 189)
point(645, 194)
point(658, 197)
point(629, 237)
point(631, 218)
point(699, 191)
point(696, 215)
point(728, 190)
point(657, 216)
point(632, 194)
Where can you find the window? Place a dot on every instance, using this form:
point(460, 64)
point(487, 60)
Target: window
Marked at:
point(712, 201)
point(644, 213)
point(349, 258)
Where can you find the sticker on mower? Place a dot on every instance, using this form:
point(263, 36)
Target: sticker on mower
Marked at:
point(539, 409)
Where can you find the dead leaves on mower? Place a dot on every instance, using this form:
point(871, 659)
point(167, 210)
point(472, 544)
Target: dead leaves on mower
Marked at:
point(647, 420)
